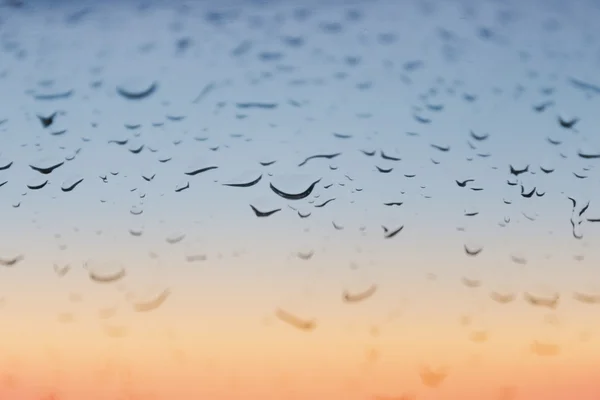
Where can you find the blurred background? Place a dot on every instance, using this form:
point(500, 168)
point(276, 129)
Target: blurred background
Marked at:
point(387, 200)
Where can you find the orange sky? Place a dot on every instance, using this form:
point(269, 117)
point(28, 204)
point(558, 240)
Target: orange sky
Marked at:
point(267, 359)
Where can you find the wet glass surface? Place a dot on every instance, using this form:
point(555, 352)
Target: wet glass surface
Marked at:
point(299, 200)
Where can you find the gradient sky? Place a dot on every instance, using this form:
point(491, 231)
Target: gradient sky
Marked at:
point(328, 68)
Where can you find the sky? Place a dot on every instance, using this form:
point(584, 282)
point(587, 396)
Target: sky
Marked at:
point(299, 199)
